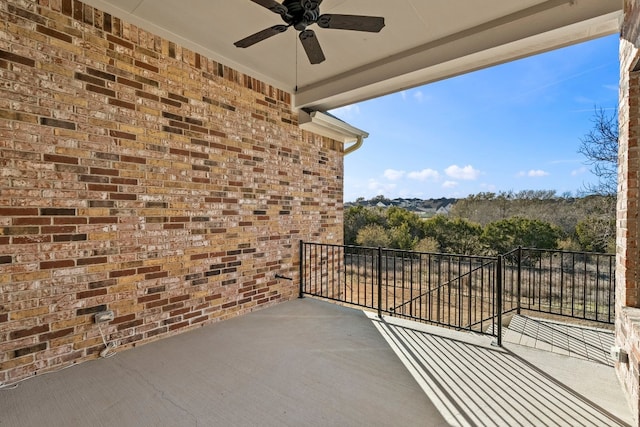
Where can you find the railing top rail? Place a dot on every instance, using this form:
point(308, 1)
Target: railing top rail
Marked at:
point(402, 251)
point(561, 251)
point(513, 251)
point(441, 254)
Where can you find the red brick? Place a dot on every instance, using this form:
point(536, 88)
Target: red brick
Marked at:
point(192, 314)
point(122, 273)
point(56, 334)
point(45, 265)
point(178, 326)
point(93, 260)
point(103, 220)
point(150, 269)
point(179, 298)
point(179, 311)
point(12, 57)
point(36, 330)
point(28, 350)
point(25, 240)
point(104, 171)
point(101, 90)
point(53, 33)
point(59, 229)
point(4, 211)
point(148, 298)
point(130, 324)
point(66, 220)
point(32, 221)
point(122, 319)
point(123, 104)
point(60, 159)
point(146, 66)
point(120, 42)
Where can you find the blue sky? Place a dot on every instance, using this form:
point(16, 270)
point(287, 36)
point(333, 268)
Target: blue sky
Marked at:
point(516, 126)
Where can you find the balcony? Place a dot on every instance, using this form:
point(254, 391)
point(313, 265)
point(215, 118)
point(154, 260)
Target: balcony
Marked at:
point(314, 363)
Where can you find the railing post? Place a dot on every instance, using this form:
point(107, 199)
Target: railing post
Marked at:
point(301, 272)
point(379, 282)
point(518, 292)
point(499, 297)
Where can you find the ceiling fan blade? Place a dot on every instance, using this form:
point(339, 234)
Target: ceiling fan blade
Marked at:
point(261, 35)
point(273, 6)
point(312, 46)
point(371, 24)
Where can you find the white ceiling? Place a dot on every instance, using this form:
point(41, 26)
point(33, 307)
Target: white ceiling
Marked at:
point(422, 41)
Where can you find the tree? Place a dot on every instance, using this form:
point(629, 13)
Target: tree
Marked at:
point(399, 217)
point(457, 236)
point(545, 205)
point(400, 237)
point(357, 217)
point(600, 147)
point(373, 235)
point(428, 244)
point(597, 234)
point(507, 234)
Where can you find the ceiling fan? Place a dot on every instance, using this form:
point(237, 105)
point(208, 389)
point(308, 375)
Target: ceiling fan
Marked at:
point(300, 14)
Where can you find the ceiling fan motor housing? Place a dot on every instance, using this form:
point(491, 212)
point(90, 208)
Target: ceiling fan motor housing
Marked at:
point(301, 13)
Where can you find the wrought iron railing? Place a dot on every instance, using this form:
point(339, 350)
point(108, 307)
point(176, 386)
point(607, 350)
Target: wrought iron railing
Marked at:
point(461, 291)
point(572, 284)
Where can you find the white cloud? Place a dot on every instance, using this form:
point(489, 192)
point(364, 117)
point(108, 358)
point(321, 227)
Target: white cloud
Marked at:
point(424, 175)
point(579, 171)
point(419, 96)
point(467, 173)
point(403, 94)
point(533, 173)
point(393, 175)
point(380, 188)
point(449, 184)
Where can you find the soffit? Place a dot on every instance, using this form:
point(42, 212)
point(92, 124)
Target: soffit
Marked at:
point(422, 41)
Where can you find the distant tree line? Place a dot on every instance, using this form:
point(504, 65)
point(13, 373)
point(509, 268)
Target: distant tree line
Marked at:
point(493, 223)
point(490, 223)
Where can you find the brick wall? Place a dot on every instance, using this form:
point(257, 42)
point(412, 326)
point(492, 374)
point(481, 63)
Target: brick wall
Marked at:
point(141, 177)
point(628, 233)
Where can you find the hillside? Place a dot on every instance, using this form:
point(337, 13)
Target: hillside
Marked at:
point(424, 208)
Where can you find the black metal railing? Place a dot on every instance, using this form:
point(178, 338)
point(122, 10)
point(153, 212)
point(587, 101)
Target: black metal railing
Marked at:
point(443, 289)
point(572, 284)
point(461, 291)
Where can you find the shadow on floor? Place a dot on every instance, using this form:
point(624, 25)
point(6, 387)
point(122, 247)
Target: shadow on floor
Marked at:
point(558, 337)
point(473, 383)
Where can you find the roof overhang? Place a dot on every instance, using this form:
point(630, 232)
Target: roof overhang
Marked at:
point(422, 42)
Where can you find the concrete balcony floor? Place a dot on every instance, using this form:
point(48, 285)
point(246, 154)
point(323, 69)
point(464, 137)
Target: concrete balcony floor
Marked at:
point(312, 363)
